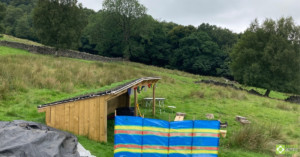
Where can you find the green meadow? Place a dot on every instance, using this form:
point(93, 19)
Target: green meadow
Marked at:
point(28, 80)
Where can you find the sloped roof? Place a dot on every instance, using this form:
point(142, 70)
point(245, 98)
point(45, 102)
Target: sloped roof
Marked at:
point(101, 93)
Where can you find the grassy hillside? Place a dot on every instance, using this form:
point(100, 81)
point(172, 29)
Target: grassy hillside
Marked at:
point(19, 40)
point(28, 80)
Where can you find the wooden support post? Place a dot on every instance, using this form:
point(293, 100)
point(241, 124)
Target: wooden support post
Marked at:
point(135, 102)
point(153, 100)
point(128, 101)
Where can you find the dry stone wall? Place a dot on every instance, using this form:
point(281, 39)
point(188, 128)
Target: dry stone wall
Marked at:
point(45, 50)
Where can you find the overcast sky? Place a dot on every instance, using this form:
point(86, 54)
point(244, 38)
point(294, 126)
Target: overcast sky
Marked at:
point(235, 15)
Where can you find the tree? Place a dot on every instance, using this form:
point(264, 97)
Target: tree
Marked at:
point(268, 56)
point(2, 15)
point(197, 53)
point(24, 28)
point(105, 34)
point(59, 23)
point(151, 46)
point(125, 13)
point(225, 40)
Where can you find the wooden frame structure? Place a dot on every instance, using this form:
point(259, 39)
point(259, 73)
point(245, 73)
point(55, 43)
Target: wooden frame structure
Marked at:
point(87, 115)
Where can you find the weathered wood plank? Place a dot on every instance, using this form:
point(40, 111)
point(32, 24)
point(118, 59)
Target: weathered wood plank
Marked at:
point(71, 117)
point(103, 120)
point(67, 116)
point(76, 117)
point(153, 102)
point(59, 117)
point(81, 116)
point(92, 119)
point(96, 119)
point(48, 116)
point(135, 102)
point(86, 117)
point(42, 109)
point(52, 123)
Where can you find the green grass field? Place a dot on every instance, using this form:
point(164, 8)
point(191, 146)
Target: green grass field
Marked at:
point(18, 40)
point(28, 80)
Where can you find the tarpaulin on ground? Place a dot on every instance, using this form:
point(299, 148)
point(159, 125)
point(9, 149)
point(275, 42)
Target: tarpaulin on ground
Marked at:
point(143, 137)
point(22, 139)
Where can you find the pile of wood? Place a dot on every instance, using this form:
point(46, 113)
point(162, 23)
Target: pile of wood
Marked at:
point(179, 116)
point(242, 120)
point(210, 116)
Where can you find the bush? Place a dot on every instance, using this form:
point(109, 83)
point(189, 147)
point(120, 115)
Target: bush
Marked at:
point(197, 94)
point(284, 107)
point(255, 137)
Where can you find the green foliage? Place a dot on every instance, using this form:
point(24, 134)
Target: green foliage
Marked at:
point(59, 23)
point(19, 40)
point(24, 28)
point(125, 14)
point(18, 19)
point(268, 56)
point(197, 54)
point(122, 29)
point(2, 15)
point(257, 137)
point(105, 34)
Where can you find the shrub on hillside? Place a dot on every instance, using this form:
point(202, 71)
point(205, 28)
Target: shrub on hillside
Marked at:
point(197, 94)
point(257, 137)
point(284, 107)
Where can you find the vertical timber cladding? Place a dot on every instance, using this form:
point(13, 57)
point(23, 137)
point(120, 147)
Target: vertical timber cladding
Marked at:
point(86, 117)
point(118, 102)
point(97, 120)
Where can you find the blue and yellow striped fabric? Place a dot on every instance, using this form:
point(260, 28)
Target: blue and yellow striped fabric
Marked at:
point(143, 137)
point(206, 136)
point(128, 136)
point(155, 138)
point(180, 138)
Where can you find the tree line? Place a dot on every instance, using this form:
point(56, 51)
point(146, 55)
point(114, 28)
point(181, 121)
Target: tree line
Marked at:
point(124, 29)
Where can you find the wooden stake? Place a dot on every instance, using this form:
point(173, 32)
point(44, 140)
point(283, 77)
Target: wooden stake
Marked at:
point(153, 100)
point(135, 103)
point(115, 113)
point(223, 133)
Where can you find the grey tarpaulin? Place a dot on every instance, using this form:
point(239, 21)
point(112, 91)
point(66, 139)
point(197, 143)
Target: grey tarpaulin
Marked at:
point(30, 139)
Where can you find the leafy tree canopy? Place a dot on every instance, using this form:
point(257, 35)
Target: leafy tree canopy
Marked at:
point(268, 56)
point(2, 15)
point(59, 23)
point(126, 14)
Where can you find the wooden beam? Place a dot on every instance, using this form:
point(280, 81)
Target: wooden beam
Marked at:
point(109, 97)
point(135, 102)
point(153, 100)
point(42, 109)
point(128, 103)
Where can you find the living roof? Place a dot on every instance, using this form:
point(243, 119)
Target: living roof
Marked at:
point(112, 91)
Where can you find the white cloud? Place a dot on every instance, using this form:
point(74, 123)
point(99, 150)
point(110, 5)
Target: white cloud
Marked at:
point(235, 15)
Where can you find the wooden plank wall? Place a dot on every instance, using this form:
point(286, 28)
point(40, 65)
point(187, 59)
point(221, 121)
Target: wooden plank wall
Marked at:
point(120, 101)
point(84, 117)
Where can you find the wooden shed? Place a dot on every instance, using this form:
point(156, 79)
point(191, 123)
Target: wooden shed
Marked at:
point(87, 115)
